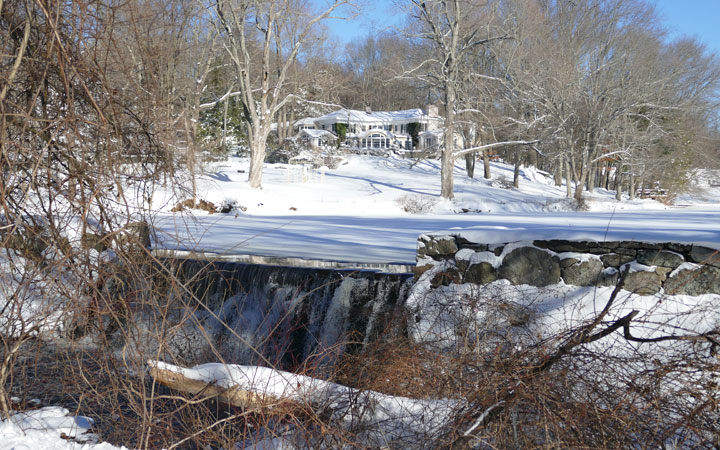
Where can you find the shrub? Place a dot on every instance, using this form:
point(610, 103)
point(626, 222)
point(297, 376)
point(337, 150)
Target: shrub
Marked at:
point(417, 204)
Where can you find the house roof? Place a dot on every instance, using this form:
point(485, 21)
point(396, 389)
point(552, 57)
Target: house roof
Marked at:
point(353, 115)
point(305, 121)
point(318, 133)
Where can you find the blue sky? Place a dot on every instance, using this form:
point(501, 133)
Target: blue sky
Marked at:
point(699, 18)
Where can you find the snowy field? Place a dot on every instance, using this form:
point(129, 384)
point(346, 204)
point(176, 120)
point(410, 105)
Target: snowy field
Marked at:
point(356, 213)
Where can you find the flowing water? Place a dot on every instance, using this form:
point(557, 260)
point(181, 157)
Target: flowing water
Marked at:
point(255, 314)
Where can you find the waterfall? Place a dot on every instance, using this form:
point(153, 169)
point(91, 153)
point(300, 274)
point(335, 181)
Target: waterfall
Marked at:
point(282, 316)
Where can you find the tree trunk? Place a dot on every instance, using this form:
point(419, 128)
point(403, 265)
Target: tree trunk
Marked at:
point(581, 184)
point(225, 122)
point(516, 170)
point(258, 148)
point(591, 179)
point(448, 161)
point(631, 188)
point(568, 187)
point(470, 165)
point(190, 161)
point(486, 164)
point(618, 186)
point(557, 175)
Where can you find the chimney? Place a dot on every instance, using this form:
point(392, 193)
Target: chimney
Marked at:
point(432, 111)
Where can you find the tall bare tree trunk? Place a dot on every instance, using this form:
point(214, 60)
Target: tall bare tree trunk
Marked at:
point(470, 165)
point(486, 164)
point(448, 161)
point(225, 122)
point(257, 157)
point(568, 179)
point(557, 175)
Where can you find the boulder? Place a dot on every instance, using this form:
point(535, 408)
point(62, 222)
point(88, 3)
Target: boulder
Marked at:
point(643, 283)
point(704, 255)
point(445, 278)
point(438, 248)
point(567, 262)
point(529, 265)
point(699, 281)
point(482, 273)
point(419, 270)
point(609, 277)
point(464, 243)
point(662, 258)
point(615, 260)
point(585, 273)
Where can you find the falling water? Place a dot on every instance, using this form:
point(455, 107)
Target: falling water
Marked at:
point(282, 316)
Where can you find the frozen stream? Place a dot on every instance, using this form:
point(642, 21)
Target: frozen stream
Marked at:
point(392, 240)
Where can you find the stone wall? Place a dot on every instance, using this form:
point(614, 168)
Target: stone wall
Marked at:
point(678, 269)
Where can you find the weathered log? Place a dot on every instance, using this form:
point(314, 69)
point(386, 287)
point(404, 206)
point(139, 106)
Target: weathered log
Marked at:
point(232, 395)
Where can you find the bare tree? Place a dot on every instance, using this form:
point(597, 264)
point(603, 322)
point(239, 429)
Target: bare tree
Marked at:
point(453, 30)
point(263, 40)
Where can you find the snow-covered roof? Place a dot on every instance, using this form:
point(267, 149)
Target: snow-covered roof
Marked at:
point(435, 133)
point(318, 133)
point(353, 115)
point(305, 121)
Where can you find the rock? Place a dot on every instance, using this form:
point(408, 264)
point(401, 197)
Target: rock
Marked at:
point(419, 270)
point(678, 248)
point(567, 262)
point(529, 265)
point(609, 277)
point(482, 273)
point(584, 273)
point(663, 272)
point(625, 251)
point(703, 280)
point(643, 283)
point(638, 245)
point(662, 258)
point(445, 278)
point(615, 260)
point(464, 243)
point(704, 255)
point(559, 246)
point(440, 247)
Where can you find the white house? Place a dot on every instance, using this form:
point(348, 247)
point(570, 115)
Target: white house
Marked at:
point(317, 138)
point(377, 129)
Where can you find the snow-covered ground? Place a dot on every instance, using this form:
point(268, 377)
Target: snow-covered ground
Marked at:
point(356, 213)
point(49, 428)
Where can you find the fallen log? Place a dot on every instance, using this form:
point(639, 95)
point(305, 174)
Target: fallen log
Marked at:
point(232, 395)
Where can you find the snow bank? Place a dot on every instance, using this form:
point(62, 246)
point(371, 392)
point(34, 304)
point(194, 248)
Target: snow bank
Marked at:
point(50, 428)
